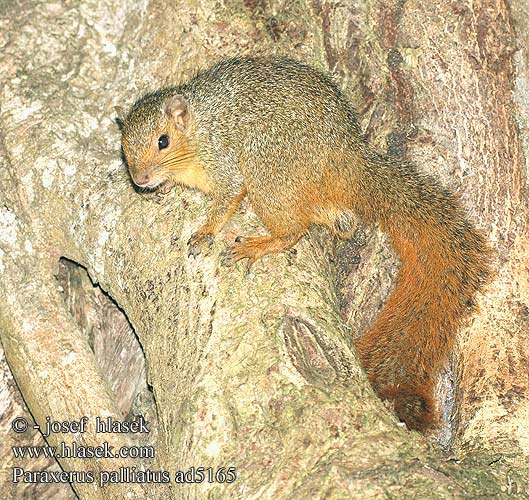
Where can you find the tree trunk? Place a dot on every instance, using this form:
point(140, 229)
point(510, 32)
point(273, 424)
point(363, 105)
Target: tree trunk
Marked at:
point(254, 371)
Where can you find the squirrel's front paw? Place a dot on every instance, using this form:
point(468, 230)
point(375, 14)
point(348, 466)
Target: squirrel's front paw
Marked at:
point(238, 251)
point(198, 242)
point(231, 255)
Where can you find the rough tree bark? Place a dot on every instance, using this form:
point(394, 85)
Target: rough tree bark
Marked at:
point(258, 371)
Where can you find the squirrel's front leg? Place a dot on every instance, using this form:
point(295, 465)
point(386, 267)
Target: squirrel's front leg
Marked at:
point(256, 247)
point(222, 207)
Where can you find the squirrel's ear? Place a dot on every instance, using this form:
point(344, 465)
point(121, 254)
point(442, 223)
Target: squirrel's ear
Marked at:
point(175, 107)
point(120, 118)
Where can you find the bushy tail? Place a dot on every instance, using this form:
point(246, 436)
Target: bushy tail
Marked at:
point(444, 261)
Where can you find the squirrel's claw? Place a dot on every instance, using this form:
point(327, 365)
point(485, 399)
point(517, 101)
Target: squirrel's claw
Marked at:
point(236, 252)
point(199, 241)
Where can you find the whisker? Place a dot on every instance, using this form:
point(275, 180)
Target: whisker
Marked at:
point(177, 159)
point(182, 155)
point(173, 166)
point(174, 163)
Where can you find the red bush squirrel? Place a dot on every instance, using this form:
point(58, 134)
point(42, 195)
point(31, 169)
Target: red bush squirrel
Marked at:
point(284, 135)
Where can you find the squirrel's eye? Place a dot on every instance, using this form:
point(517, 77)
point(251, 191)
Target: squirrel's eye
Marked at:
point(163, 141)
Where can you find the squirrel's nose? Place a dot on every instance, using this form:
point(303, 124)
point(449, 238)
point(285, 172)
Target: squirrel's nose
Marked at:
point(142, 179)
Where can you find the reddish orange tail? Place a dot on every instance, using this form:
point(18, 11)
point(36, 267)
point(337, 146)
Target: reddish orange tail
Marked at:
point(444, 261)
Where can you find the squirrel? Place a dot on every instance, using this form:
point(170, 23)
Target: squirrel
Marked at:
point(283, 134)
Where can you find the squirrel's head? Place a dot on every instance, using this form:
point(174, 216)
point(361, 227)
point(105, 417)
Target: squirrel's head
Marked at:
point(154, 139)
